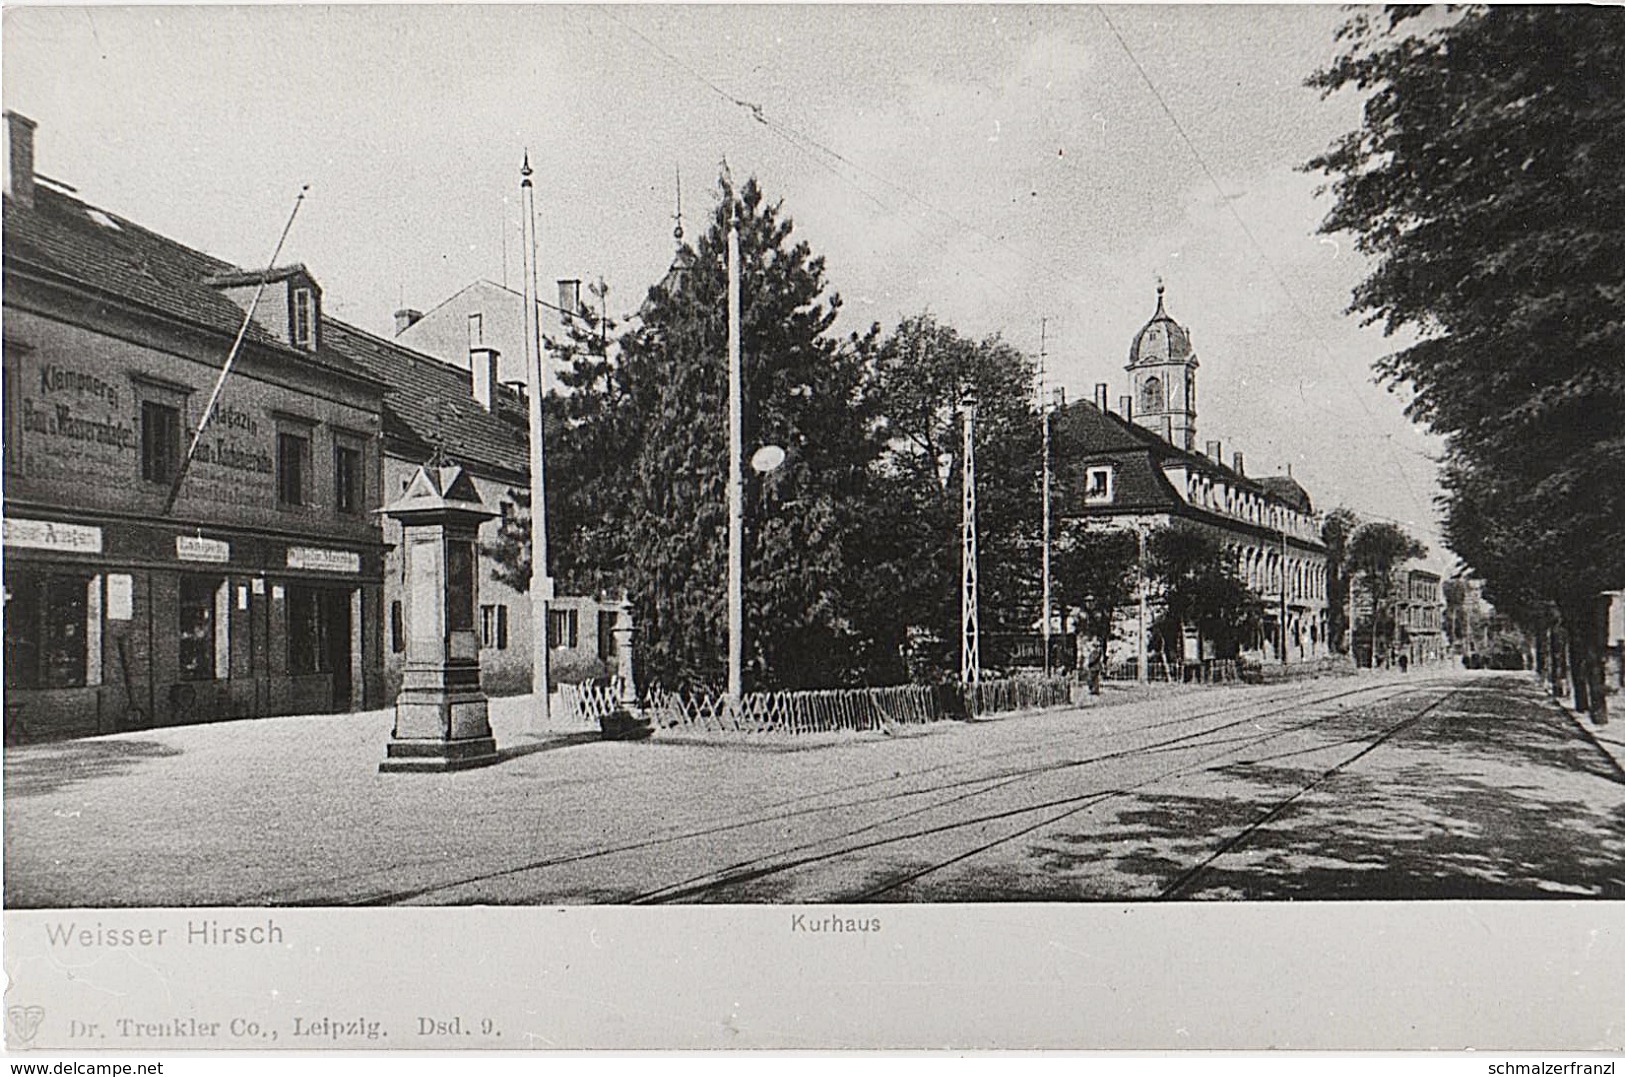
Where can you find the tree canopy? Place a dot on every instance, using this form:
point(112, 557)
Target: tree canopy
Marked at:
point(1483, 182)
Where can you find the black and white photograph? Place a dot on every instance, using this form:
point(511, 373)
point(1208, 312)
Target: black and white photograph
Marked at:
point(881, 473)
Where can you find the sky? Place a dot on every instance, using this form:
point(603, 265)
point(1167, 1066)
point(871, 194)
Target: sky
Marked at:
point(1003, 167)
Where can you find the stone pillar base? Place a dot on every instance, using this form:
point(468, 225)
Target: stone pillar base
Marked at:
point(431, 756)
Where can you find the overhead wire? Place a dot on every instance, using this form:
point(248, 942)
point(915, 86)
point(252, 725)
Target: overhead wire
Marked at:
point(1258, 247)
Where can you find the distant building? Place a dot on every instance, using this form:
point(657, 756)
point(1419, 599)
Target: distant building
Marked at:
point(1419, 613)
point(1138, 468)
point(260, 592)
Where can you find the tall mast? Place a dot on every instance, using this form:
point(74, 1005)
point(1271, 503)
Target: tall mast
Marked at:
point(1043, 404)
point(970, 634)
point(541, 584)
point(736, 478)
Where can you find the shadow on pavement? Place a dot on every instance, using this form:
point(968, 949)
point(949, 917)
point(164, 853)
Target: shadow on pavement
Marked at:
point(47, 768)
point(1481, 800)
point(552, 743)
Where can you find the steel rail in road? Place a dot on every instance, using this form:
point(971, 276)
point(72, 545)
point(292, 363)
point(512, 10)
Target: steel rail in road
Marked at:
point(1070, 806)
point(958, 791)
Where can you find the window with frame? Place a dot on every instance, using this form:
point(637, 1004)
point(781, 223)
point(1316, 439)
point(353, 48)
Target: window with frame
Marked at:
point(310, 630)
point(46, 629)
point(348, 484)
point(562, 628)
point(304, 319)
point(1151, 399)
point(1099, 486)
point(494, 627)
point(607, 620)
point(292, 465)
point(197, 627)
point(160, 441)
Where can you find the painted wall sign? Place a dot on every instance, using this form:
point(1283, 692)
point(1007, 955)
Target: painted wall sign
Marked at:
point(47, 535)
point(196, 548)
point(316, 559)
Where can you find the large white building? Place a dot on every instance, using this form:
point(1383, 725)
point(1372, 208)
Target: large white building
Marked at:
point(1139, 467)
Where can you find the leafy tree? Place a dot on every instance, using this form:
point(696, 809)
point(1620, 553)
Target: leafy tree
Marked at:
point(1376, 551)
point(1096, 571)
point(913, 392)
point(1335, 530)
point(1484, 183)
point(1200, 588)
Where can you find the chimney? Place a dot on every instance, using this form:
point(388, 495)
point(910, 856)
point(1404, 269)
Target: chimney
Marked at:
point(1215, 451)
point(1100, 395)
point(20, 158)
point(1125, 407)
point(482, 364)
point(406, 318)
point(1058, 396)
point(1238, 466)
point(569, 299)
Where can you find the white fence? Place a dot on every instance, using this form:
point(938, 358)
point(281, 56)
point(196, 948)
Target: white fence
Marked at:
point(819, 711)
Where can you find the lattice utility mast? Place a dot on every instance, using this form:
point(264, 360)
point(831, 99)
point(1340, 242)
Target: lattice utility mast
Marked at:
point(970, 633)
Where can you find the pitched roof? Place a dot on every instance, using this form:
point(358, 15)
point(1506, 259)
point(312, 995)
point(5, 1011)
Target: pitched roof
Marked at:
point(65, 237)
point(430, 405)
point(1286, 488)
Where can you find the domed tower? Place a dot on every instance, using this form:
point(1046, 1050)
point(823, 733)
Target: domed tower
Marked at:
point(1162, 367)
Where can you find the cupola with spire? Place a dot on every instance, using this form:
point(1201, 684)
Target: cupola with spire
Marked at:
point(1162, 366)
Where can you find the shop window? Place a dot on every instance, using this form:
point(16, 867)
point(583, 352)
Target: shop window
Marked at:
point(160, 441)
point(292, 465)
point(47, 629)
point(562, 628)
point(309, 632)
point(197, 627)
point(397, 627)
point(347, 481)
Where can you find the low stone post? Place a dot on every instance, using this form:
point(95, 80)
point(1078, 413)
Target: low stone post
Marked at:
point(442, 719)
point(625, 633)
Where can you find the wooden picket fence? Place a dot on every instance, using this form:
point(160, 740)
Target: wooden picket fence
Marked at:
point(1019, 694)
point(817, 711)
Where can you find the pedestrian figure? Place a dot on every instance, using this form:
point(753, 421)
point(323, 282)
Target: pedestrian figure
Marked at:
point(1097, 664)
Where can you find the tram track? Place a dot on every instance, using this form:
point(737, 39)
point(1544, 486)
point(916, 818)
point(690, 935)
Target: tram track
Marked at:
point(742, 874)
point(944, 796)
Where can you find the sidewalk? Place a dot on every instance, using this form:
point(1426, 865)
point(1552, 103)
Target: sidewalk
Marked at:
point(1610, 738)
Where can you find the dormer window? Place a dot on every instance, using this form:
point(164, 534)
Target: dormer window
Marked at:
point(304, 319)
point(1099, 487)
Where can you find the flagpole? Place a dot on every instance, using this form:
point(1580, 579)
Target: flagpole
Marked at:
point(231, 358)
point(541, 584)
point(736, 479)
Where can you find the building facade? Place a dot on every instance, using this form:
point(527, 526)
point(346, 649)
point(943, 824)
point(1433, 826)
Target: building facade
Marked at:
point(467, 414)
point(1138, 468)
point(139, 595)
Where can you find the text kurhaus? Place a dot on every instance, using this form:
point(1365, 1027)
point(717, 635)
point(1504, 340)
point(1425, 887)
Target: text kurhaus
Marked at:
point(832, 924)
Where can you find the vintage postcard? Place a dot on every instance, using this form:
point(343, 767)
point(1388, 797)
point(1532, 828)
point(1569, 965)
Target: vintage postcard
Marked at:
point(813, 527)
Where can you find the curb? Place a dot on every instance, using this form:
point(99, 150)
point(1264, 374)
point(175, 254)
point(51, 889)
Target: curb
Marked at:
point(1608, 739)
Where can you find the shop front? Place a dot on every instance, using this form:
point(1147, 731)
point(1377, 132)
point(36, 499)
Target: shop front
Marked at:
point(113, 625)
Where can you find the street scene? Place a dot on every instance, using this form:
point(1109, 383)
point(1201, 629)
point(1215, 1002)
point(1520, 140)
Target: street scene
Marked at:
point(1446, 785)
point(803, 454)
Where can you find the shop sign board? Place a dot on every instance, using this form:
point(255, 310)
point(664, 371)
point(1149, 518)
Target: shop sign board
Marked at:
point(316, 559)
point(197, 548)
point(49, 535)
